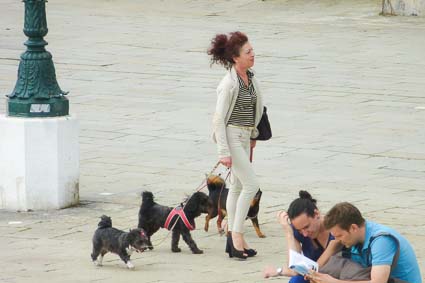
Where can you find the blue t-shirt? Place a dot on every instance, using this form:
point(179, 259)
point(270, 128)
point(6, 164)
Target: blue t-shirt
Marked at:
point(307, 245)
point(383, 249)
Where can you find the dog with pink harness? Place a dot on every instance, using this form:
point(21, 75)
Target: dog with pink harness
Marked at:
point(179, 220)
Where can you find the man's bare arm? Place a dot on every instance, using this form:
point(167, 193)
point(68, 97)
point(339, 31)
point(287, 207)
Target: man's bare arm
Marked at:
point(379, 274)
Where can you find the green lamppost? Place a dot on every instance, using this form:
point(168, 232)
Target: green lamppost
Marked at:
point(36, 93)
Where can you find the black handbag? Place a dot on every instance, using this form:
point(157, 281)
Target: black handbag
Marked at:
point(264, 129)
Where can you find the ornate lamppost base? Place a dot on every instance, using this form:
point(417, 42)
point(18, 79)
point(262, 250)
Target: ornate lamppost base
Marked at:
point(30, 108)
point(37, 93)
point(39, 151)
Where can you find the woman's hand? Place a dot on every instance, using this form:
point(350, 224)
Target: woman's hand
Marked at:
point(226, 161)
point(271, 271)
point(283, 219)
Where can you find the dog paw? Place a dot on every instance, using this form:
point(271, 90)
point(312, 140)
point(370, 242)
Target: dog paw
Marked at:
point(130, 265)
point(198, 251)
point(96, 263)
point(176, 250)
point(221, 232)
point(262, 236)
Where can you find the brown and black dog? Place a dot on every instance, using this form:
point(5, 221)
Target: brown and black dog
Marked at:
point(218, 195)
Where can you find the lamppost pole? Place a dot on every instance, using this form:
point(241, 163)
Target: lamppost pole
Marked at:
point(36, 93)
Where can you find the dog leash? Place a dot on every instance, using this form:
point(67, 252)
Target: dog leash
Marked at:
point(199, 188)
point(202, 185)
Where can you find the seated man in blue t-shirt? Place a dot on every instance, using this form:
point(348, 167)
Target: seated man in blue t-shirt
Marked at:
point(372, 245)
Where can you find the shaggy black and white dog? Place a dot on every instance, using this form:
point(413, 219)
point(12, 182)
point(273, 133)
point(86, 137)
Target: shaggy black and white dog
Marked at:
point(152, 216)
point(108, 239)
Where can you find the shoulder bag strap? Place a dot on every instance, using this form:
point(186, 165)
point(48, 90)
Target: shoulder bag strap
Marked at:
point(396, 256)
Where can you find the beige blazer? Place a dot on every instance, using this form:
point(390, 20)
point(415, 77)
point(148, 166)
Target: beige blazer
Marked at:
point(227, 93)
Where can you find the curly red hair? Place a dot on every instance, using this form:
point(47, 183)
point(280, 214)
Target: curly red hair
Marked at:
point(224, 47)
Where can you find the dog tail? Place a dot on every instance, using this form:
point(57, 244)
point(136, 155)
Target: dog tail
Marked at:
point(105, 222)
point(147, 199)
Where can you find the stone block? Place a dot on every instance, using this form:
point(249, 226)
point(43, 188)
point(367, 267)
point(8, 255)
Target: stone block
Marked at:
point(39, 163)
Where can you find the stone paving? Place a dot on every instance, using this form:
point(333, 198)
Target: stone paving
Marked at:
point(345, 91)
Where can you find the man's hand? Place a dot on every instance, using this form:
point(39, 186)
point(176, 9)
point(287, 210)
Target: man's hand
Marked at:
point(226, 161)
point(316, 277)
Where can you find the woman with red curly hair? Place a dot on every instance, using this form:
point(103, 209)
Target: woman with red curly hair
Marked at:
point(238, 112)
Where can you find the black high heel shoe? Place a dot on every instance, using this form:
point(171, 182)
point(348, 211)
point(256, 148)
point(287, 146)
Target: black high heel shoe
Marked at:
point(250, 252)
point(239, 254)
point(230, 249)
point(229, 244)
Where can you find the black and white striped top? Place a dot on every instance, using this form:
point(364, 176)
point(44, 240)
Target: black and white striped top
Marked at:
point(243, 114)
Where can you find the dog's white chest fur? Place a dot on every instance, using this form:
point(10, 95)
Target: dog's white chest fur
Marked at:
point(129, 250)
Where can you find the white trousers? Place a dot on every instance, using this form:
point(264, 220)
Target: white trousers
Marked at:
point(243, 182)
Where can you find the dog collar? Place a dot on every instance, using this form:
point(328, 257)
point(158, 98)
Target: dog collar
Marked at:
point(178, 211)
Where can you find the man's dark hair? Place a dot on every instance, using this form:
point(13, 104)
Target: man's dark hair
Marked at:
point(343, 214)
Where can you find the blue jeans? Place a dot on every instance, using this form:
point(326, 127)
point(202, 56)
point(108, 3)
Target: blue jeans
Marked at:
point(298, 279)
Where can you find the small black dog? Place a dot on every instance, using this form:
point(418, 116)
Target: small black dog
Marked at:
point(153, 216)
point(108, 239)
point(218, 195)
